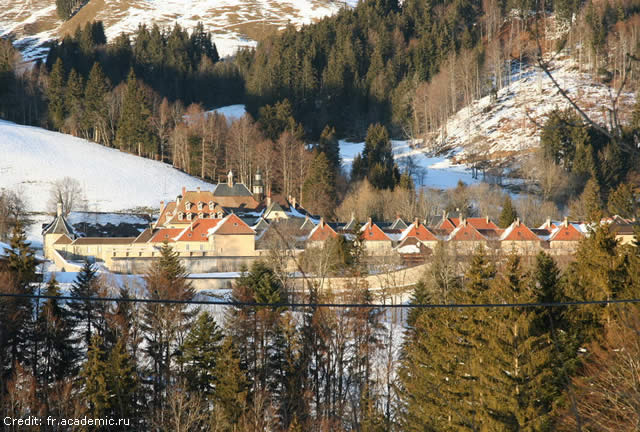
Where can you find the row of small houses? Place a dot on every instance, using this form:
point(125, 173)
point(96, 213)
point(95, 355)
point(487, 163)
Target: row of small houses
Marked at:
point(555, 237)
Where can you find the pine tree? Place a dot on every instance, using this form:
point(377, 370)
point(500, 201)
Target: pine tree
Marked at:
point(94, 101)
point(592, 200)
point(507, 360)
point(165, 325)
point(88, 315)
point(74, 102)
point(55, 337)
point(623, 202)
point(328, 144)
point(377, 160)
point(134, 130)
point(95, 380)
point(122, 382)
point(599, 272)
point(198, 355)
point(319, 188)
point(21, 265)
point(231, 385)
point(56, 95)
point(508, 214)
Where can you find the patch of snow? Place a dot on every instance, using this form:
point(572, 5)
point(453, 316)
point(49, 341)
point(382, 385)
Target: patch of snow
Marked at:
point(231, 112)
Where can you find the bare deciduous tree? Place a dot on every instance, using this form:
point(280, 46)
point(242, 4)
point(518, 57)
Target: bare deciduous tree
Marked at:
point(68, 192)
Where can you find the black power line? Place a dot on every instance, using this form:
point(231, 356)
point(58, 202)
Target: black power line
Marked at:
point(328, 305)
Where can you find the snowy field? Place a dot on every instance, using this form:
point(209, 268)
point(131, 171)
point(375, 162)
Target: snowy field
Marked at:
point(234, 23)
point(434, 172)
point(33, 158)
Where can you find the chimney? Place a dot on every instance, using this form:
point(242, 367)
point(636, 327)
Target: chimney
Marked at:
point(415, 222)
point(517, 221)
point(370, 223)
point(184, 190)
point(161, 206)
point(321, 222)
point(59, 209)
point(565, 222)
point(547, 224)
point(487, 218)
point(444, 215)
point(198, 189)
point(230, 178)
point(268, 200)
point(178, 199)
point(463, 221)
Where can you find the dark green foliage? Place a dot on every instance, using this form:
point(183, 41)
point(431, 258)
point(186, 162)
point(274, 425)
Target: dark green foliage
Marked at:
point(54, 335)
point(134, 129)
point(88, 316)
point(55, 94)
point(355, 68)
point(198, 355)
point(328, 144)
point(376, 163)
point(508, 214)
point(276, 119)
point(319, 188)
point(231, 387)
point(623, 201)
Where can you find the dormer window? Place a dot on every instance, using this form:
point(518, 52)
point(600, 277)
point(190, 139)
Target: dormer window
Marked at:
point(180, 216)
point(200, 205)
point(211, 205)
point(187, 205)
point(201, 215)
point(188, 216)
point(219, 215)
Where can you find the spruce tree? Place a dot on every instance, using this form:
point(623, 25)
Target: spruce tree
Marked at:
point(55, 337)
point(508, 214)
point(198, 355)
point(94, 101)
point(165, 325)
point(231, 385)
point(319, 187)
point(88, 315)
point(592, 201)
point(74, 102)
point(95, 380)
point(134, 131)
point(622, 201)
point(56, 95)
point(122, 382)
point(328, 144)
point(21, 265)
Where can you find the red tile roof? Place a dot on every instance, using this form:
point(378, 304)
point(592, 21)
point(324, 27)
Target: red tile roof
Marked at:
point(198, 230)
point(371, 232)
point(466, 232)
point(322, 232)
point(519, 232)
point(566, 233)
point(420, 232)
point(232, 225)
point(165, 234)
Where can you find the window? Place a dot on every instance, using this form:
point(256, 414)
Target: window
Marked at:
point(200, 205)
point(211, 205)
point(201, 215)
point(180, 216)
point(187, 205)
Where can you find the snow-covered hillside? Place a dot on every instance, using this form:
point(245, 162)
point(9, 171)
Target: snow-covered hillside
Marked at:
point(508, 127)
point(32, 158)
point(234, 23)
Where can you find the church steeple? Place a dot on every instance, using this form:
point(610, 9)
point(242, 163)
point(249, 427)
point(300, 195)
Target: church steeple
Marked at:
point(258, 186)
